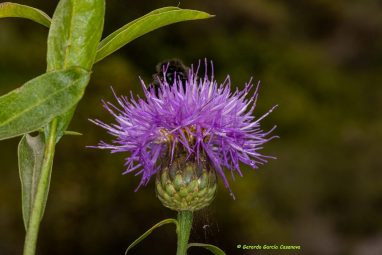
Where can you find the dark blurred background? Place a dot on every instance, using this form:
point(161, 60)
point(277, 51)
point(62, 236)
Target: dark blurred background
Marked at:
point(320, 60)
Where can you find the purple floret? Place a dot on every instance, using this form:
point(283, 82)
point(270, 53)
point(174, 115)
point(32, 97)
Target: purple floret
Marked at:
point(204, 119)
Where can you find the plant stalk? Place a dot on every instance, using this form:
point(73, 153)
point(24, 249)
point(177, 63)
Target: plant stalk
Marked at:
point(42, 188)
point(183, 231)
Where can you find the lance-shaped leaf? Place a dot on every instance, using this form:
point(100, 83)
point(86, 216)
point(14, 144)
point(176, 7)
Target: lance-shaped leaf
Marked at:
point(212, 248)
point(148, 232)
point(13, 10)
point(38, 101)
point(116, 33)
point(73, 39)
point(74, 34)
point(151, 21)
point(30, 157)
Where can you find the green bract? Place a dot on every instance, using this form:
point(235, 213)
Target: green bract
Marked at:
point(186, 185)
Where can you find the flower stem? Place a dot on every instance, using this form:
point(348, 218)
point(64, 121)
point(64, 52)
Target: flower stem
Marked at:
point(183, 231)
point(42, 189)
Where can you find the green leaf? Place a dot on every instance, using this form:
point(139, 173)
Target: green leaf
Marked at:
point(13, 10)
point(30, 155)
point(75, 33)
point(73, 39)
point(38, 101)
point(63, 123)
point(212, 248)
point(68, 132)
point(120, 30)
point(149, 22)
point(148, 232)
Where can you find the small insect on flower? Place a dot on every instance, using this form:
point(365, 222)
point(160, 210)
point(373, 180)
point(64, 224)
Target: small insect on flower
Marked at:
point(175, 70)
point(186, 130)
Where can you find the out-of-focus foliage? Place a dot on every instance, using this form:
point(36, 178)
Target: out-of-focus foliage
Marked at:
point(320, 60)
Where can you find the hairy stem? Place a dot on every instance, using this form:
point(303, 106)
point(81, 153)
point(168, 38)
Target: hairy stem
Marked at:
point(42, 189)
point(183, 231)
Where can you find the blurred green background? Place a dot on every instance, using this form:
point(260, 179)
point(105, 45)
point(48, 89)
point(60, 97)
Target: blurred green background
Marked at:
point(320, 60)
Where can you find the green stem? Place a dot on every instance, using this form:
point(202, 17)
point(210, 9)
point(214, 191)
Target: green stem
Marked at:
point(183, 231)
point(42, 189)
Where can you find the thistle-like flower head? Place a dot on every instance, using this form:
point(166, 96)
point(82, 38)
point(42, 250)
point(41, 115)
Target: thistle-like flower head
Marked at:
point(196, 115)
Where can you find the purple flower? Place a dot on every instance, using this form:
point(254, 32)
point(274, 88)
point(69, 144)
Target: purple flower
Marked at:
point(201, 118)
